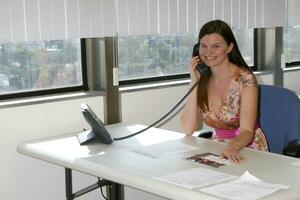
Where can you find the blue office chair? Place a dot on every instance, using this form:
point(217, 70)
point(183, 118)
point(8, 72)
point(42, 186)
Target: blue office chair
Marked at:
point(279, 118)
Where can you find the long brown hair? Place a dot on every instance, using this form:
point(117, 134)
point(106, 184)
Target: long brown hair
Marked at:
point(223, 29)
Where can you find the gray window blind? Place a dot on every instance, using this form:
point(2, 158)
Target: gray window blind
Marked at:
point(23, 20)
point(293, 12)
point(173, 16)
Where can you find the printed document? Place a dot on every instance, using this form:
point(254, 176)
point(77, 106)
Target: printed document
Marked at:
point(164, 149)
point(209, 159)
point(297, 163)
point(247, 187)
point(196, 178)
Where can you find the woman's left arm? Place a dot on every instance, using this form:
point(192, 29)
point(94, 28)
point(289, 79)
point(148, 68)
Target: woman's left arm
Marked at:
point(248, 119)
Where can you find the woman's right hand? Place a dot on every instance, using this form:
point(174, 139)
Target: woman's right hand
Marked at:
point(232, 153)
point(194, 73)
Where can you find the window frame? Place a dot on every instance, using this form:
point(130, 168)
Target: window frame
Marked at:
point(292, 64)
point(153, 79)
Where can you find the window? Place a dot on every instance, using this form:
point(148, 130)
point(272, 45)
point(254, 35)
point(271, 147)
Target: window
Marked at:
point(162, 56)
point(40, 67)
point(154, 55)
point(292, 44)
point(245, 40)
point(291, 32)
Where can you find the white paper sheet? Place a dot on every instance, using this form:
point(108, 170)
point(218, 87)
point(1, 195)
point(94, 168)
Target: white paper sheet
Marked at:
point(164, 149)
point(297, 163)
point(247, 187)
point(196, 177)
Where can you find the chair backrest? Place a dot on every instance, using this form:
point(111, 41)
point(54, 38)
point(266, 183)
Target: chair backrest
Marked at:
point(279, 111)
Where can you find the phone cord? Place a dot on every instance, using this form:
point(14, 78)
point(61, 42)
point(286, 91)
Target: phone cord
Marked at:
point(163, 117)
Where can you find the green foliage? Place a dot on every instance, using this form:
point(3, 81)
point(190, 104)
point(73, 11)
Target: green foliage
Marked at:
point(154, 55)
point(40, 65)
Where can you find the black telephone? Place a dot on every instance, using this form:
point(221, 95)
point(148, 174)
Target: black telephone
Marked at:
point(201, 67)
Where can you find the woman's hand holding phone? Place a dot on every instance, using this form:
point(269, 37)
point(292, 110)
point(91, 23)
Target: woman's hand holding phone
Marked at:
point(194, 73)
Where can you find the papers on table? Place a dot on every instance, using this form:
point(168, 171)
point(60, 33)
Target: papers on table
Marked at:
point(247, 187)
point(297, 163)
point(196, 177)
point(210, 159)
point(217, 159)
point(164, 149)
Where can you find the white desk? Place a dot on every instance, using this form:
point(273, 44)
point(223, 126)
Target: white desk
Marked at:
point(116, 163)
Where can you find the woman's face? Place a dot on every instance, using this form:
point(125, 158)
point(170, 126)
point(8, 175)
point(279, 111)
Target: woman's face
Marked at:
point(213, 49)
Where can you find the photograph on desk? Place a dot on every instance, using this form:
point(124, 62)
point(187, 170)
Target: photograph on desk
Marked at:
point(210, 159)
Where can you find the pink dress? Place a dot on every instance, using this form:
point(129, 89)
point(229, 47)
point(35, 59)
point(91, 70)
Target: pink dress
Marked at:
point(226, 121)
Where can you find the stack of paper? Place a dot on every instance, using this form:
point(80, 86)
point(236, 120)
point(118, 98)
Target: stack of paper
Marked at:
point(246, 187)
point(196, 177)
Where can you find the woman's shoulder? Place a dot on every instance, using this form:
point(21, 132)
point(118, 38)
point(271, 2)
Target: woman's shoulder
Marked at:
point(246, 77)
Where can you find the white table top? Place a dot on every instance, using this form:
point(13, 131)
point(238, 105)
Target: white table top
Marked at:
point(117, 163)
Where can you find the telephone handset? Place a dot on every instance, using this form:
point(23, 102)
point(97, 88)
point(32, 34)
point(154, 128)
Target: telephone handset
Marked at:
point(201, 67)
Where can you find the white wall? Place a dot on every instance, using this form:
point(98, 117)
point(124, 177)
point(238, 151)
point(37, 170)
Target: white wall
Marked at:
point(152, 105)
point(267, 79)
point(25, 178)
point(291, 80)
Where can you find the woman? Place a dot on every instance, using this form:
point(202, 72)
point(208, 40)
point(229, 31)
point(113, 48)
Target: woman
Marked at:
point(226, 97)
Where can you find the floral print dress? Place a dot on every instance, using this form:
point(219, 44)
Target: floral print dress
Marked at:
point(226, 121)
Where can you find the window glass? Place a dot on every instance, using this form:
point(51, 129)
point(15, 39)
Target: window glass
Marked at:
point(163, 55)
point(291, 43)
point(154, 55)
point(34, 66)
point(245, 40)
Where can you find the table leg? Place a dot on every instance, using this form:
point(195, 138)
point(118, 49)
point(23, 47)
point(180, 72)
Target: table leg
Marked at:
point(115, 191)
point(68, 178)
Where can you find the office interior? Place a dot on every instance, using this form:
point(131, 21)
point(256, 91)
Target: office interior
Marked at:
point(100, 21)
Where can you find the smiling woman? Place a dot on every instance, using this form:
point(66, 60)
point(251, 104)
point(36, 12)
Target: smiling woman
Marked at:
point(226, 97)
point(213, 49)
